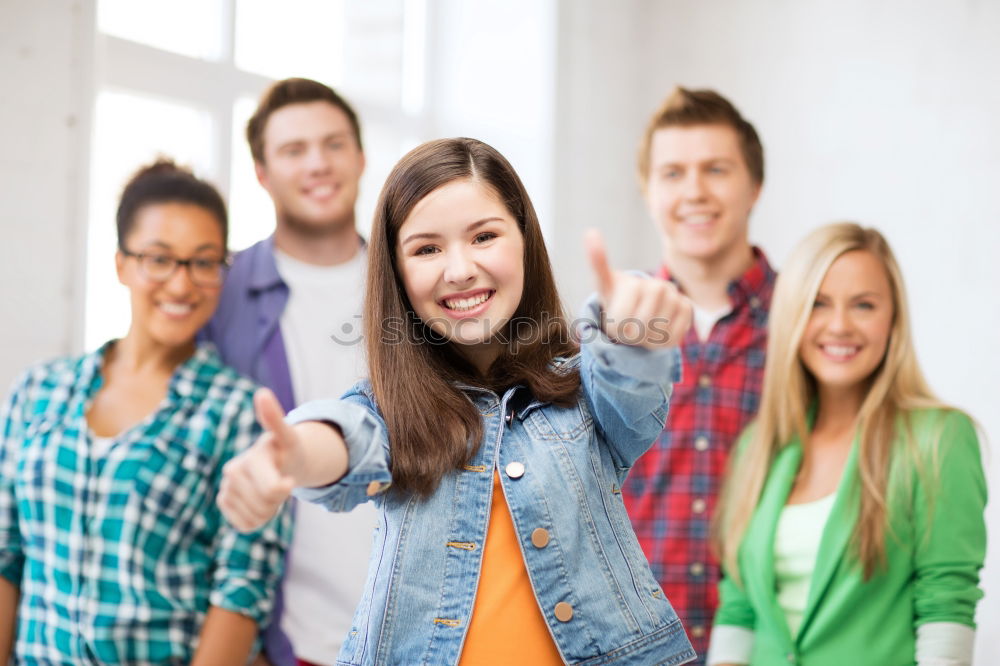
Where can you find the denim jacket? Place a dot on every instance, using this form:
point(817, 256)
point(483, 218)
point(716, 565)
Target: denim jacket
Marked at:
point(426, 553)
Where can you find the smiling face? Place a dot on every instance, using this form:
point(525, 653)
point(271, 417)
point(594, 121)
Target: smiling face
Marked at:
point(850, 325)
point(170, 313)
point(311, 168)
point(700, 191)
point(460, 254)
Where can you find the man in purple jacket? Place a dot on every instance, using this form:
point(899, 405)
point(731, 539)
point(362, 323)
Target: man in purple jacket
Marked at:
point(290, 318)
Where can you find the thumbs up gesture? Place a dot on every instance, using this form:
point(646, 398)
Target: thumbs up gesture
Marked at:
point(638, 311)
point(257, 482)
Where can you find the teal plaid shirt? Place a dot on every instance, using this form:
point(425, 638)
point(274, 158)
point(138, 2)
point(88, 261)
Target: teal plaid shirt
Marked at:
point(119, 557)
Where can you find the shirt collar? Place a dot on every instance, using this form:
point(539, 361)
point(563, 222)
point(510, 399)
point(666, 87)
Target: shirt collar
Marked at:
point(263, 268)
point(751, 287)
point(264, 273)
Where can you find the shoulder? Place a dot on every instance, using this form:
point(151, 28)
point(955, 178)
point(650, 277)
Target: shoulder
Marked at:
point(218, 377)
point(945, 442)
point(937, 426)
point(53, 375)
point(246, 256)
point(44, 389)
point(362, 393)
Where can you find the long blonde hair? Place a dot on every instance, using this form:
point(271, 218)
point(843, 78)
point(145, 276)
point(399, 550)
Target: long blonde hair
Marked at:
point(897, 386)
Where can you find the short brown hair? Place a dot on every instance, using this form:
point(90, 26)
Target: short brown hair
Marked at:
point(293, 91)
point(686, 108)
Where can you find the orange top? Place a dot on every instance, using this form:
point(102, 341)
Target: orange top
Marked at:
point(507, 626)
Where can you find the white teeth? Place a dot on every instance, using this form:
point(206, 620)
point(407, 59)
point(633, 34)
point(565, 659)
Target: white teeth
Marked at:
point(839, 350)
point(467, 303)
point(176, 308)
point(321, 191)
point(704, 218)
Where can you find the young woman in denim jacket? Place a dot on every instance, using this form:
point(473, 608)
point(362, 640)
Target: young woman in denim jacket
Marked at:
point(503, 537)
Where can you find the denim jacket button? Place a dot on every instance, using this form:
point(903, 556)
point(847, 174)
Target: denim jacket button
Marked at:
point(509, 418)
point(563, 611)
point(540, 537)
point(515, 470)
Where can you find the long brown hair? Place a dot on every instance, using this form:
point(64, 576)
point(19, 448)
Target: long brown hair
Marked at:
point(433, 426)
point(897, 387)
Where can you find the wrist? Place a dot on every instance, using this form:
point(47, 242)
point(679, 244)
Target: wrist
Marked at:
point(314, 466)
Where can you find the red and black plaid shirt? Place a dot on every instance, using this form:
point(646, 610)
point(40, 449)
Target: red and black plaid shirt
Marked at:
point(671, 491)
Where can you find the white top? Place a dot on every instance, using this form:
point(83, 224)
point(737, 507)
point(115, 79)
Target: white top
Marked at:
point(101, 445)
point(705, 320)
point(328, 561)
point(796, 546)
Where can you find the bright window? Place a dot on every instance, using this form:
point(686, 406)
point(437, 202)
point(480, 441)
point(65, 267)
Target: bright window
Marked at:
point(187, 27)
point(291, 38)
point(180, 79)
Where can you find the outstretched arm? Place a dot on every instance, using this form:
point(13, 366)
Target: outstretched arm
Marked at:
point(226, 639)
point(629, 355)
point(257, 482)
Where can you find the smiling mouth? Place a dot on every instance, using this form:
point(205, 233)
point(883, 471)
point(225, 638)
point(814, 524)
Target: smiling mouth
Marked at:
point(467, 304)
point(840, 352)
point(176, 309)
point(700, 219)
point(321, 191)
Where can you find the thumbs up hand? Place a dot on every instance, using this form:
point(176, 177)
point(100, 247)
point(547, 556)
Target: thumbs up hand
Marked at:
point(638, 311)
point(257, 482)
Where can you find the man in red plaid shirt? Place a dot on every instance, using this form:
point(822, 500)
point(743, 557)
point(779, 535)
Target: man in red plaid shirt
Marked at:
point(701, 166)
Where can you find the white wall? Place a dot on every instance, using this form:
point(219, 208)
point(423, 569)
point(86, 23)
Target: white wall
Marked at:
point(44, 125)
point(491, 76)
point(885, 113)
point(881, 112)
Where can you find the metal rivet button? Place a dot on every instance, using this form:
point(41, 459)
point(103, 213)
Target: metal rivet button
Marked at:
point(698, 506)
point(697, 569)
point(701, 443)
point(515, 470)
point(510, 417)
point(564, 612)
point(540, 537)
point(704, 381)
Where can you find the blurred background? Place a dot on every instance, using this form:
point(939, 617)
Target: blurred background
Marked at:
point(881, 112)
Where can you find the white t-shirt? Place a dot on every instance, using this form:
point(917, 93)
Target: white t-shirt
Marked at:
point(328, 561)
point(705, 320)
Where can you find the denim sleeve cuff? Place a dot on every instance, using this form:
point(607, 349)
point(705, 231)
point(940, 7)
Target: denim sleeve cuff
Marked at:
point(729, 645)
point(647, 365)
point(367, 453)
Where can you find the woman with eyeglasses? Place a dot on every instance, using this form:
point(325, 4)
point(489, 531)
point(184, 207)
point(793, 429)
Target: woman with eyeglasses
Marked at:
point(111, 547)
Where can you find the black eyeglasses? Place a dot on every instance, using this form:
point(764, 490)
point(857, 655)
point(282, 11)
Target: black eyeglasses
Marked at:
point(160, 267)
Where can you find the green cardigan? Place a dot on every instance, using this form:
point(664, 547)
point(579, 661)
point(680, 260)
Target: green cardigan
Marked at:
point(934, 553)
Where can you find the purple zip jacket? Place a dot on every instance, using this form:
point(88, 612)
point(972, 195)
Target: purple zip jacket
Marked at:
point(245, 329)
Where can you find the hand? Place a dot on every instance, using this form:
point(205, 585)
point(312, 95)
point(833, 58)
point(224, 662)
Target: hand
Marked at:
point(638, 311)
point(257, 482)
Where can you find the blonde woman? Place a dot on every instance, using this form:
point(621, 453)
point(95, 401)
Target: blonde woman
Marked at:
point(851, 524)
